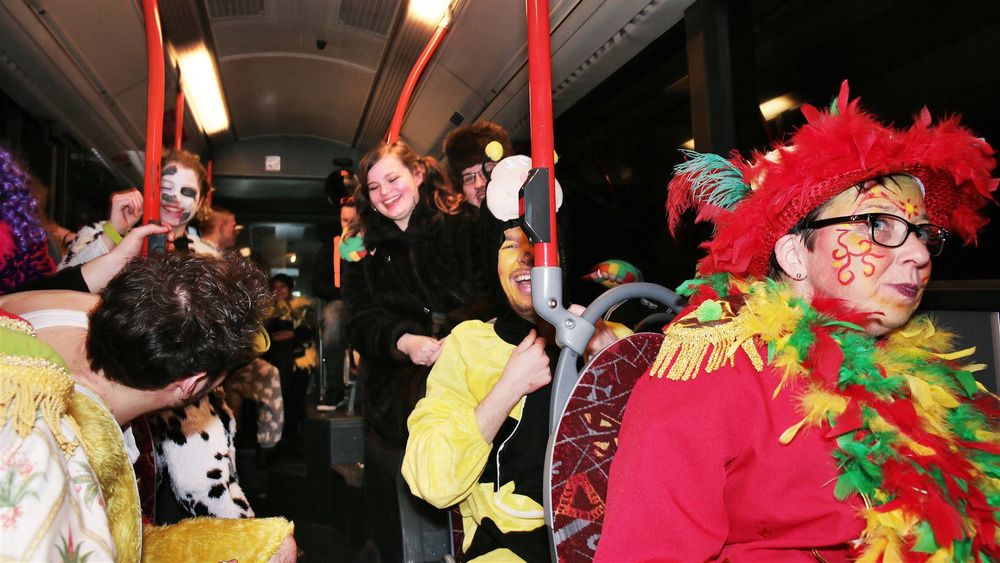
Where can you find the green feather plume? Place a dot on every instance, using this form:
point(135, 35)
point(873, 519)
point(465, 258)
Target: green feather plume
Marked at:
point(714, 180)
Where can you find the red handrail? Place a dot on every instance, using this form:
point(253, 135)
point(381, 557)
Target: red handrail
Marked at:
point(211, 187)
point(540, 96)
point(154, 113)
point(411, 81)
point(179, 120)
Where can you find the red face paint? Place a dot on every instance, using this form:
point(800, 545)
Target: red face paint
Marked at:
point(843, 262)
point(851, 247)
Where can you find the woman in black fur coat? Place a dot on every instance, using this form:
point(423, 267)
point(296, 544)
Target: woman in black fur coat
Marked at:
point(417, 282)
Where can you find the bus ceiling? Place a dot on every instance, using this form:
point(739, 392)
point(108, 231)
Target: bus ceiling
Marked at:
point(328, 73)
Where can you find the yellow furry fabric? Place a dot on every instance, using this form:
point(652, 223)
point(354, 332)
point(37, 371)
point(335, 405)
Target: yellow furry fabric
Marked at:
point(105, 448)
point(215, 539)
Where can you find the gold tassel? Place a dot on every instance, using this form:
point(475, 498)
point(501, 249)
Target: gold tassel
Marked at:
point(685, 348)
point(30, 386)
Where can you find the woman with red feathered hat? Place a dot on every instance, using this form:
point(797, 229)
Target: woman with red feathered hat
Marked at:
point(797, 410)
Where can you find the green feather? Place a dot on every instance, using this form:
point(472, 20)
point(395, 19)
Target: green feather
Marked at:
point(965, 420)
point(710, 310)
point(963, 550)
point(968, 382)
point(714, 180)
point(834, 110)
point(925, 538)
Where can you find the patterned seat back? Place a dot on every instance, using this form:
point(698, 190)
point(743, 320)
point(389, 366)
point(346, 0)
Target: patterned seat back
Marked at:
point(586, 441)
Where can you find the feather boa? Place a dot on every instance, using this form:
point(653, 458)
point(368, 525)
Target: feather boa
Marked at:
point(913, 433)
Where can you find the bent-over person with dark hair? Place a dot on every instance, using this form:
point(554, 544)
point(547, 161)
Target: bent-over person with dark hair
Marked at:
point(78, 369)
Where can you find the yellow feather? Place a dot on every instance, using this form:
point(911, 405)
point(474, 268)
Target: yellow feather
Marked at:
point(957, 355)
point(943, 555)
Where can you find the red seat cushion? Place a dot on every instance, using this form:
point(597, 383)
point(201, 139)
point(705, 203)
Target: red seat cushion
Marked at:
point(586, 442)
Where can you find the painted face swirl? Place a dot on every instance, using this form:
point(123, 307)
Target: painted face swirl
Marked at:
point(851, 245)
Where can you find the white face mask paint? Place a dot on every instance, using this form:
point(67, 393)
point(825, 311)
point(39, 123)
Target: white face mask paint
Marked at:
point(178, 195)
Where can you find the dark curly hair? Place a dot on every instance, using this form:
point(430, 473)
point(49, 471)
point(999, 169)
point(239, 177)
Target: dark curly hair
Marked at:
point(466, 146)
point(435, 191)
point(168, 316)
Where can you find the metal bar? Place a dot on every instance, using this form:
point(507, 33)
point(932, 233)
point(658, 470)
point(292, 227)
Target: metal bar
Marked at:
point(411, 81)
point(540, 95)
point(154, 114)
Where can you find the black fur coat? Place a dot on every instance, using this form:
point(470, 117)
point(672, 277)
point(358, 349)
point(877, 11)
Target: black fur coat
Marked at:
point(421, 281)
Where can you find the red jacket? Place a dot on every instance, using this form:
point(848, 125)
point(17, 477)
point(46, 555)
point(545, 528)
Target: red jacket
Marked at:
point(700, 475)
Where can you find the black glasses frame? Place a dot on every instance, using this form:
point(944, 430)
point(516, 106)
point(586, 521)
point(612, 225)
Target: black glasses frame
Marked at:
point(928, 233)
point(486, 172)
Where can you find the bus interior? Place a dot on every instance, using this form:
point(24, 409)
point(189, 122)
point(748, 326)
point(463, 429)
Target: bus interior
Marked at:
point(303, 88)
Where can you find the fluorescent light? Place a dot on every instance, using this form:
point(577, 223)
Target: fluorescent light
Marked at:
point(769, 109)
point(777, 106)
point(429, 11)
point(292, 258)
point(202, 91)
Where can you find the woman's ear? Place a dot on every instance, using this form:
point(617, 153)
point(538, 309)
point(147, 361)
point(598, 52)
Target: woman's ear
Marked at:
point(790, 252)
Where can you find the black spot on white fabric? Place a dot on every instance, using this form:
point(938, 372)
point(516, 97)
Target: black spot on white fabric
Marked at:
point(217, 491)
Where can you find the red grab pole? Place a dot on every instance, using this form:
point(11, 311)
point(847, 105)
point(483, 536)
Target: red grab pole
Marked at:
point(154, 113)
point(411, 81)
point(211, 188)
point(179, 120)
point(540, 96)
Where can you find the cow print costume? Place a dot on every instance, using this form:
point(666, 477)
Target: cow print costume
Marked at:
point(199, 432)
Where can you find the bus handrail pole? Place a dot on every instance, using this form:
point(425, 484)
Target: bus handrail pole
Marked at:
point(179, 119)
point(411, 81)
point(154, 114)
point(211, 186)
point(540, 99)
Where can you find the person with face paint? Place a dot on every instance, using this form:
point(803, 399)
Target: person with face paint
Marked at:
point(183, 196)
point(416, 282)
point(797, 409)
point(478, 437)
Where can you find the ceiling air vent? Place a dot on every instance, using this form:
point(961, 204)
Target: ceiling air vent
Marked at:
point(231, 9)
point(369, 15)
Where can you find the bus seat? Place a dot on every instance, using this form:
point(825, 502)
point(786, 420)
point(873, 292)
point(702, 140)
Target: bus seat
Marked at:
point(586, 440)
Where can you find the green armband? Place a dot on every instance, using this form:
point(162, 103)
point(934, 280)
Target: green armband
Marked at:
point(109, 230)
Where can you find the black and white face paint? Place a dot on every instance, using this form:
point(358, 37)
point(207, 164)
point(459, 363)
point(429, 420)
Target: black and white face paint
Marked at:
point(178, 195)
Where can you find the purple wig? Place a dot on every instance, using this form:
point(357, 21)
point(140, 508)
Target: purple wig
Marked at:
point(23, 253)
point(18, 206)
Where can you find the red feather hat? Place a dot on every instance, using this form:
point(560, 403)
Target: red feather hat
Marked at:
point(755, 202)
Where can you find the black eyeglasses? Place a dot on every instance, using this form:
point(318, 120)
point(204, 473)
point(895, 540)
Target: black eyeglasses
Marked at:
point(485, 172)
point(891, 231)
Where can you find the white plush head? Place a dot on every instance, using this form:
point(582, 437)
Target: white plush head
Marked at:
point(505, 182)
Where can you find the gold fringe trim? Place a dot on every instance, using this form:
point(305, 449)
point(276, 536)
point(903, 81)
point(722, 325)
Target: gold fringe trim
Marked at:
point(33, 387)
point(17, 325)
point(686, 348)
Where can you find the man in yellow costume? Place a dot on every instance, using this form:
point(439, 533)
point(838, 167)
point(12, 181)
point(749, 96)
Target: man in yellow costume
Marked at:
point(77, 369)
point(478, 437)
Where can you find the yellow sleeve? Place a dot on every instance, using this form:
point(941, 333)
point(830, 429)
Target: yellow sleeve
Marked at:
point(619, 330)
point(252, 540)
point(446, 452)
